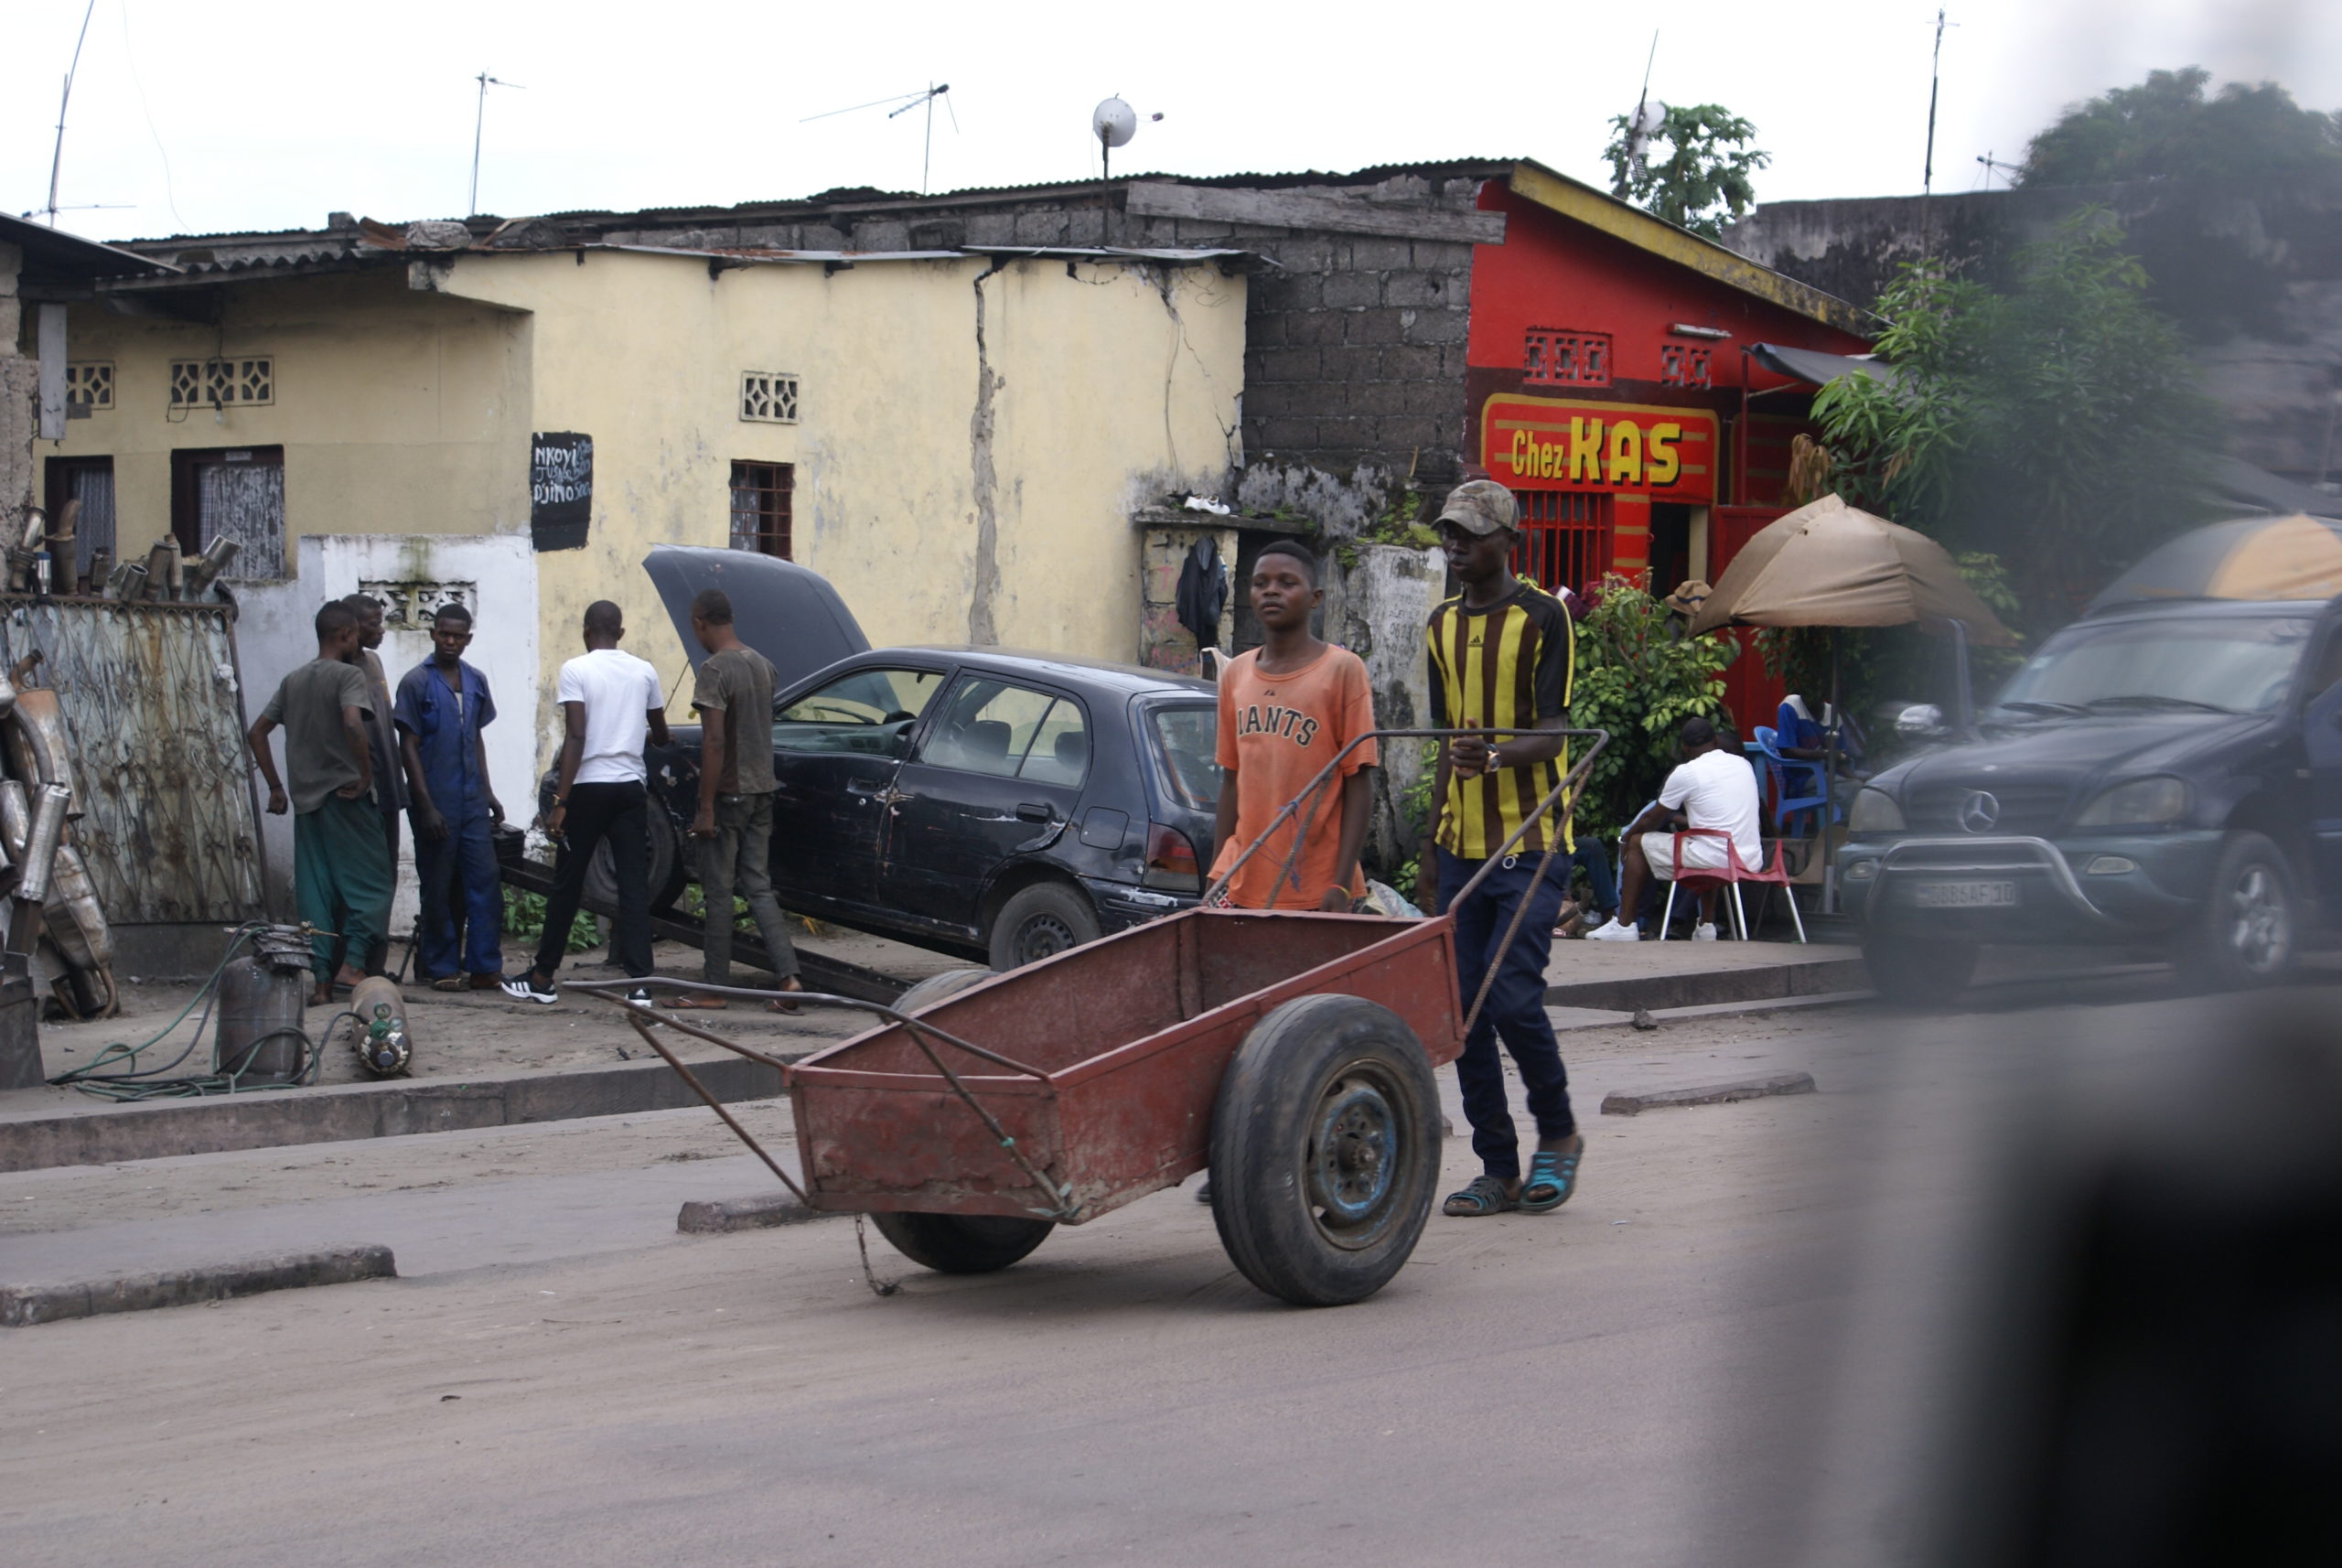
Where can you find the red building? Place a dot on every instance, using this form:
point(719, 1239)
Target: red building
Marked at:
point(1610, 384)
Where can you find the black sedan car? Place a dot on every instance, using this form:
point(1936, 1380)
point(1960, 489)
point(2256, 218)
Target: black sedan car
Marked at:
point(999, 805)
point(2163, 774)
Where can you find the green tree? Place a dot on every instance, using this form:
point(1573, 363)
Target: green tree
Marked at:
point(2057, 426)
point(1704, 179)
point(2168, 128)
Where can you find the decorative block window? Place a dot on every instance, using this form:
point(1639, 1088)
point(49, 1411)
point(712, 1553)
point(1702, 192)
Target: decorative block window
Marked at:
point(89, 383)
point(769, 396)
point(206, 384)
point(1556, 357)
point(1684, 365)
point(760, 507)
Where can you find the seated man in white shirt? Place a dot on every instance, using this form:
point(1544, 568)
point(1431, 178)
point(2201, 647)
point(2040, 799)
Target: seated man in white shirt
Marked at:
point(1711, 788)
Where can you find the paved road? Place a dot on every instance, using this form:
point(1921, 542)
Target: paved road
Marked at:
point(1641, 1378)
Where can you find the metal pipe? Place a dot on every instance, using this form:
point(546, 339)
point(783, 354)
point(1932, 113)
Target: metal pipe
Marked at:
point(48, 830)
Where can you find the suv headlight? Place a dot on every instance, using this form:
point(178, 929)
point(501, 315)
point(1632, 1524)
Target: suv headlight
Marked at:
point(1874, 811)
point(2140, 803)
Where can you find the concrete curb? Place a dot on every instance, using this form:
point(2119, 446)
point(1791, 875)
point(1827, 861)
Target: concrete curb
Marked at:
point(1758, 982)
point(23, 1305)
point(108, 1134)
point(1708, 1094)
point(717, 1218)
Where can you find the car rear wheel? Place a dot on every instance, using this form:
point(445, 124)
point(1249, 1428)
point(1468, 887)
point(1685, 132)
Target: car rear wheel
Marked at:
point(1039, 922)
point(666, 876)
point(1912, 972)
point(2245, 936)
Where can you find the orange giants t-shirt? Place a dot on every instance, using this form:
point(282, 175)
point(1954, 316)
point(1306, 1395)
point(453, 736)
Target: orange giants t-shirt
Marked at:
point(1278, 732)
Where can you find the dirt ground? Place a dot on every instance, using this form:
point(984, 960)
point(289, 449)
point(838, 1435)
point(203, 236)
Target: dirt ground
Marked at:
point(479, 1031)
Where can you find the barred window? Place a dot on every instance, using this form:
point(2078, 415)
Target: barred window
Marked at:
point(1684, 365)
point(89, 384)
point(211, 383)
point(1554, 356)
point(760, 497)
point(769, 396)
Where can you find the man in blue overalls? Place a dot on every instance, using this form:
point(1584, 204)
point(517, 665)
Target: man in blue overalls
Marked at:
point(442, 706)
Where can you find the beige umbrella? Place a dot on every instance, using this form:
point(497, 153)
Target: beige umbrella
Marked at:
point(1828, 564)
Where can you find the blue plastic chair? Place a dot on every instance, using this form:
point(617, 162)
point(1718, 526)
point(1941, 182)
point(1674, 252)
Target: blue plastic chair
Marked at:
point(1788, 774)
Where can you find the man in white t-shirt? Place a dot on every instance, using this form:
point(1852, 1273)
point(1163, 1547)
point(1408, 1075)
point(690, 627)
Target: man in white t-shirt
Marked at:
point(610, 701)
point(1713, 789)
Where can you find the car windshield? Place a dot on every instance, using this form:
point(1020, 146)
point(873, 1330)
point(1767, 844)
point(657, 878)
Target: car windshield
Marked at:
point(1184, 737)
point(2236, 664)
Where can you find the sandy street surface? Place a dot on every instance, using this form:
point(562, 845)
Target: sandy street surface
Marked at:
point(559, 1378)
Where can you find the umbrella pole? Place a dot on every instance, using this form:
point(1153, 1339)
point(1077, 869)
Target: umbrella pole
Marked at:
point(1830, 788)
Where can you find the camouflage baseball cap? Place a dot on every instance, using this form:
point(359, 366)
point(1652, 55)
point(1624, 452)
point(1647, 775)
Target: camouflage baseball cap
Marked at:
point(1481, 506)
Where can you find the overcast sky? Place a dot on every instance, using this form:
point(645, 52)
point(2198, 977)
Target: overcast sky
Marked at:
point(270, 114)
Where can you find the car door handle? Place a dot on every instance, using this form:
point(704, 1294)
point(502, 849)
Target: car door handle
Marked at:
point(1035, 811)
point(864, 785)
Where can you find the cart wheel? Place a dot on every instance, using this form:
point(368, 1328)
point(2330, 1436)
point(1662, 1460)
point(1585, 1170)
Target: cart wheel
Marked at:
point(1325, 1150)
point(962, 1244)
point(936, 987)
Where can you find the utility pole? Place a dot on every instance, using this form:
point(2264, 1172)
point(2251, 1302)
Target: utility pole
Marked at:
point(479, 118)
point(1928, 175)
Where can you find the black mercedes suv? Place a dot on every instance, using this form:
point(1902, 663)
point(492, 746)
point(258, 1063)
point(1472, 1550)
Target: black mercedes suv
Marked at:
point(2165, 773)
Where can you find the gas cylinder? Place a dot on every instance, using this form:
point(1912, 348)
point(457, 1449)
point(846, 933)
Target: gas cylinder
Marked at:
point(260, 996)
point(381, 1038)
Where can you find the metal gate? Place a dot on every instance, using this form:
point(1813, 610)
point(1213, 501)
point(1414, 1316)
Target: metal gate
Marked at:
point(161, 780)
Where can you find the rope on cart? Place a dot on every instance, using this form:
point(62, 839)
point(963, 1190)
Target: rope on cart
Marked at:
point(878, 1287)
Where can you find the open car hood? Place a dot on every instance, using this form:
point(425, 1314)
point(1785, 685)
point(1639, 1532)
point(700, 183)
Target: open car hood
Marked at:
point(786, 612)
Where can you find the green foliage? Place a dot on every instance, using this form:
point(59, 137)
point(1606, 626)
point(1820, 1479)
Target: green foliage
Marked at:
point(524, 919)
point(2057, 427)
point(2166, 128)
point(1640, 678)
point(1703, 179)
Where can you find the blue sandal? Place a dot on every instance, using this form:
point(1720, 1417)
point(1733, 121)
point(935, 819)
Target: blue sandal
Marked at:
point(1553, 1176)
point(1484, 1195)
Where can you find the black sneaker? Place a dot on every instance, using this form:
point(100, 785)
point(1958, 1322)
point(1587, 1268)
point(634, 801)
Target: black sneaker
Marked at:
point(639, 997)
point(523, 987)
point(1203, 1193)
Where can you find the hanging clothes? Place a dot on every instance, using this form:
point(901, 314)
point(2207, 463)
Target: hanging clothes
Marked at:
point(1203, 591)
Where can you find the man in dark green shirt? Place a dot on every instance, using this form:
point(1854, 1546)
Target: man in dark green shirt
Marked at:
point(341, 866)
point(734, 696)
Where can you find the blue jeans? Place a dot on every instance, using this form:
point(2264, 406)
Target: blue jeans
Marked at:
point(1515, 1009)
point(459, 872)
point(1595, 861)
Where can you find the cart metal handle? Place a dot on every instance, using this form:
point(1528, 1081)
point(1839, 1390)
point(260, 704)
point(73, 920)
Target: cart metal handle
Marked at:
point(1312, 791)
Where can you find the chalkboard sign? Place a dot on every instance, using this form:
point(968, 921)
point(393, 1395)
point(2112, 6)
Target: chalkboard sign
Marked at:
point(561, 489)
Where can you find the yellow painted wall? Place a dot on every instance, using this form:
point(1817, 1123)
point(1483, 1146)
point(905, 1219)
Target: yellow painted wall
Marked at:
point(399, 412)
point(1107, 397)
point(405, 398)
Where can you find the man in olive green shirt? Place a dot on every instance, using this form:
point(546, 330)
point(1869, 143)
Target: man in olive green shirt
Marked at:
point(734, 696)
point(341, 866)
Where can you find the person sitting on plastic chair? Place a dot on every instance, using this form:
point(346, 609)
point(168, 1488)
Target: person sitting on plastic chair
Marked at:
point(1711, 788)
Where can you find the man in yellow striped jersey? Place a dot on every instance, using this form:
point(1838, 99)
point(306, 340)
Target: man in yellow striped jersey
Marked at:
point(1500, 660)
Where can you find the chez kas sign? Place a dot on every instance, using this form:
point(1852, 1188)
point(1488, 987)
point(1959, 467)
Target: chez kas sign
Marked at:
point(1549, 443)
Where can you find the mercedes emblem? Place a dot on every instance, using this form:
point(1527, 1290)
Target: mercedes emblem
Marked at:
point(1980, 812)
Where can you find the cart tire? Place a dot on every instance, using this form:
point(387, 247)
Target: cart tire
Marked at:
point(936, 987)
point(962, 1244)
point(1039, 922)
point(1325, 1150)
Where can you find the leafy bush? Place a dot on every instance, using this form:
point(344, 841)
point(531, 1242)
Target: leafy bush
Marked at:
point(1640, 678)
point(524, 917)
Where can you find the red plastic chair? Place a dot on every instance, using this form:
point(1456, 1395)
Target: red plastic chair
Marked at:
point(1732, 874)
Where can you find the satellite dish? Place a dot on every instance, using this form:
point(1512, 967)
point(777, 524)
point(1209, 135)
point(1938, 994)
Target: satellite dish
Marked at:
point(1114, 122)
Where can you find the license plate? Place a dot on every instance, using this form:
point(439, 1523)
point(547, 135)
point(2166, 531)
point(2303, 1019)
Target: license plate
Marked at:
point(1964, 894)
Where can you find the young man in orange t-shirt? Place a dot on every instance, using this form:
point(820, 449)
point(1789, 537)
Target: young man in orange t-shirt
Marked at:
point(1286, 708)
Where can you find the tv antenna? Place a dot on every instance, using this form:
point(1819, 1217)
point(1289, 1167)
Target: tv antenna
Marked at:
point(1649, 112)
point(904, 103)
point(57, 157)
point(1994, 165)
point(479, 118)
point(1928, 173)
